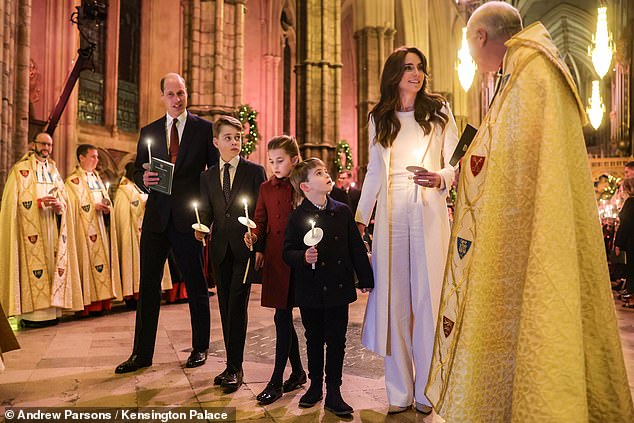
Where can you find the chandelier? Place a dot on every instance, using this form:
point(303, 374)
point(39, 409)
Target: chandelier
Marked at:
point(603, 48)
point(596, 108)
point(466, 67)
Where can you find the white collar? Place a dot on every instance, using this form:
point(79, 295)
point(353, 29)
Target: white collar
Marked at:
point(233, 162)
point(182, 118)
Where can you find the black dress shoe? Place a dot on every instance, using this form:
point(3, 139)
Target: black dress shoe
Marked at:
point(132, 364)
point(270, 394)
point(294, 381)
point(196, 359)
point(336, 405)
point(35, 324)
point(312, 396)
point(232, 381)
point(218, 379)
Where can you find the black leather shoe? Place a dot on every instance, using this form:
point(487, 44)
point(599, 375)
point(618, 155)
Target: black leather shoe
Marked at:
point(218, 379)
point(132, 364)
point(294, 381)
point(232, 381)
point(312, 396)
point(336, 405)
point(196, 359)
point(270, 394)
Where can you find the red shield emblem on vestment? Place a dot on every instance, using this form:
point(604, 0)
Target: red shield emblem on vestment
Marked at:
point(477, 162)
point(60, 271)
point(33, 239)
point(75, 181)
point(93, 238)
point(24, 173)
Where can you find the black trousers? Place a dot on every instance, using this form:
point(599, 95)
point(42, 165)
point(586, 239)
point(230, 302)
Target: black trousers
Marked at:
point(233, 299)
point(188, 254)
point(325, 326)
point(286, 345)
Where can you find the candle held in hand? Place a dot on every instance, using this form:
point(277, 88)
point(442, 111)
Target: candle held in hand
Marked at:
point(197, 216)
point(149, 151)
point(312, 223)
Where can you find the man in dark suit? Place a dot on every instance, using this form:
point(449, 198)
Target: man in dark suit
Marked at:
point(352, 194)
point(223, 190)
point(185, 140)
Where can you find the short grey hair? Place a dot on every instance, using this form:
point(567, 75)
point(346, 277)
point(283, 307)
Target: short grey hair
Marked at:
point(499, 19)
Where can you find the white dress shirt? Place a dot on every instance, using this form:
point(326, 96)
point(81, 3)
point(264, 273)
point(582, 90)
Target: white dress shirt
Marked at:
point(182, 119)
point(232, 169)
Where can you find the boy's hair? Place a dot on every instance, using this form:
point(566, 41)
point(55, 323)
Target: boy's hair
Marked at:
point(83, 149)
point(286, 143)
point(226, 120)
point(301, 170)
point(629, 165)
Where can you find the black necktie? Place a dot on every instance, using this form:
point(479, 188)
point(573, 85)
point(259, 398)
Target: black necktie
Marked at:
point(226, 183)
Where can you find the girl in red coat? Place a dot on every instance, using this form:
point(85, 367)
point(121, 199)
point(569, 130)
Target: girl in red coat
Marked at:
point(275, 203)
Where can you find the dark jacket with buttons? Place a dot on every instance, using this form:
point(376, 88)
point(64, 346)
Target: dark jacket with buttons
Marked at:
point(341, 254)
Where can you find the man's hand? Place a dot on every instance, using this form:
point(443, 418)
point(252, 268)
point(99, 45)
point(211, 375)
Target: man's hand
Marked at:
point(102, 207)
point(250, 239)
point(617, 251)
point(150, 178)
point(52, 202)
point(311, 255)
point(199, 235)
point(259, 260)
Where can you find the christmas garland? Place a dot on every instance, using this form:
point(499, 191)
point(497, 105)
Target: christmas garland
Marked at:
point(343, 148)
point(246, 115)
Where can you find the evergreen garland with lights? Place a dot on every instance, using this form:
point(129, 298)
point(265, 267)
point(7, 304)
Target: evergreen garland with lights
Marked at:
point(246, 115)
point(343, 147)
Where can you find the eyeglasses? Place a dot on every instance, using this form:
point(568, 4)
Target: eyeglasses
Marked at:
point(48, 144)
point(408, 67)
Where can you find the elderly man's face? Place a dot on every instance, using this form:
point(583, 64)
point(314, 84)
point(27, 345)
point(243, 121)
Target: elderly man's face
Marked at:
point(482, 49)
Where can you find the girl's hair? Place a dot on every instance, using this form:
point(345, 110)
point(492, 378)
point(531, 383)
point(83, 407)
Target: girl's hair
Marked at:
point(286, 143)
point(427, 106)
point(289, 145)
point(628, 186)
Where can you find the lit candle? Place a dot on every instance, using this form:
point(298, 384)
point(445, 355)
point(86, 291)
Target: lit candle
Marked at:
point(149, 150)
point(196, 210)
point(107, 186)
point(312, 223)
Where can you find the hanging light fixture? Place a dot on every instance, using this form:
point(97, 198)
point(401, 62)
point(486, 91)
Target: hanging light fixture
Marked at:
point(596, 108)
point(603, 48)
point(466, 67)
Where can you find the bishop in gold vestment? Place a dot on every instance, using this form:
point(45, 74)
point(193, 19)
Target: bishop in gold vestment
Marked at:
point(38, 265)
point(97, 250)
point(527, 329)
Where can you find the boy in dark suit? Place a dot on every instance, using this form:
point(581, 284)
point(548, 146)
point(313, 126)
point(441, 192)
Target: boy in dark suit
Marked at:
point(323, 294)
point(223, 190)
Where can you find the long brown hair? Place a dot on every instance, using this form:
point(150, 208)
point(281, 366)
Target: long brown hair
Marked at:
point(427, 106)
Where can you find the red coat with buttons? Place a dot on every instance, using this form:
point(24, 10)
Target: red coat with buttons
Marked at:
point(271, 214)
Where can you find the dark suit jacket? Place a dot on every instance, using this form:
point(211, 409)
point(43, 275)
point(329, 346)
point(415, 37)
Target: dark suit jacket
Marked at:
point(341, 254)
point(196, 152)
point(227, 231)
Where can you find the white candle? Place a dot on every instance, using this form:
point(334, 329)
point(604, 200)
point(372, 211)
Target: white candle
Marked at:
point(197, 216)
point(107, 186)
point(149, 150)
point(312, 223)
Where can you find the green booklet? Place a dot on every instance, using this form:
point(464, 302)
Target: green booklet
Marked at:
point(165, 172)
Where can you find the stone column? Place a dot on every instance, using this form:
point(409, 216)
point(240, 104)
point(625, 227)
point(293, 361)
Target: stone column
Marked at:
point(318, 72)
point(213, 55)
point(374, 45)
point(15, 27)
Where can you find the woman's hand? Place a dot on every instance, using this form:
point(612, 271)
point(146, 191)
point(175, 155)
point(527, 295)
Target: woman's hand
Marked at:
point(617, 251)
point(427, 179)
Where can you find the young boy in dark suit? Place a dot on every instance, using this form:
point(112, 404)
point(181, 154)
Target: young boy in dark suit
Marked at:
point(223, 188)
point(323, 294)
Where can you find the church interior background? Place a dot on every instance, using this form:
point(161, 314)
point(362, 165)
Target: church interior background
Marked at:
point(309, 68)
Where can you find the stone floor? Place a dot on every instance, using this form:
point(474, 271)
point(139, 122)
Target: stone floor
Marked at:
point(72, 365)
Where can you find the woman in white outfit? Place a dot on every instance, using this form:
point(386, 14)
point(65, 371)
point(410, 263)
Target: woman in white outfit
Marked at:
point(408, 127)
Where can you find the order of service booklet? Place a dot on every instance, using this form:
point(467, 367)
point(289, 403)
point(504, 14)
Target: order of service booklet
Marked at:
point(165, 172)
